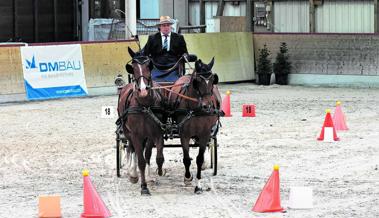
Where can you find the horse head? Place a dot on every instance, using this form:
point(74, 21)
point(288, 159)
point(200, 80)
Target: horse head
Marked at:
point(140, 68)
point(203, 80)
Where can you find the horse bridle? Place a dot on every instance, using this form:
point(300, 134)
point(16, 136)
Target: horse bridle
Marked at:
point(140, 61)
point(201, 95)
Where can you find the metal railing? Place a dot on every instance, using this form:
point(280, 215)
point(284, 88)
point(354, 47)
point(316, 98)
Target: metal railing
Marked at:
point(144, 27)
point(147, 26)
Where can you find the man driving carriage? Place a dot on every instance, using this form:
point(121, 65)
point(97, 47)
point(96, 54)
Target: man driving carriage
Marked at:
point(166, 49)
point(146, 117)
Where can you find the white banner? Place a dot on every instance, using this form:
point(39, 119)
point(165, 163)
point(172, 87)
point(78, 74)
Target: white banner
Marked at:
point(53, 71)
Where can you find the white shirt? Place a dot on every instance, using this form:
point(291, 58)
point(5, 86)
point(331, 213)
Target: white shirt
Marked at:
point(168, 40)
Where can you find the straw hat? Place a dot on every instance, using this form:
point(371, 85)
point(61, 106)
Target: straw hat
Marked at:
point(165, 20)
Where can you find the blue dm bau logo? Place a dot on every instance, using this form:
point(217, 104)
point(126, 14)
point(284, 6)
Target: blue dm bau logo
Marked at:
point(53, 66)
point(31, 64)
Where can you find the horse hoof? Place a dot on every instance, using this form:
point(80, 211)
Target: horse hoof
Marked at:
point(161, 172)
point(188, 181)
point(198, 190)
point(145, 192)
point(204, 166)
point(133, 180)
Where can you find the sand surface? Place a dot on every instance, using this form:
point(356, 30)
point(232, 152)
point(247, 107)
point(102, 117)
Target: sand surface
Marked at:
point(45, 145)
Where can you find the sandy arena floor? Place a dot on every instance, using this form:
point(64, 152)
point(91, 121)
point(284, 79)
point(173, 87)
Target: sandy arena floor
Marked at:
point(45, 145)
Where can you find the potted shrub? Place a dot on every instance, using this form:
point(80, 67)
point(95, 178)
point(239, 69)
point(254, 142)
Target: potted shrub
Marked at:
point(264, 67)
point(282, 67)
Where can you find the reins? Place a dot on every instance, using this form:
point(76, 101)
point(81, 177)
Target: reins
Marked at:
point(182, 96)
point(171, 68)
point(168, 87)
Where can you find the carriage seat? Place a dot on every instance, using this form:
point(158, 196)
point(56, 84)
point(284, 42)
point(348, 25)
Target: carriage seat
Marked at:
point(173, 70)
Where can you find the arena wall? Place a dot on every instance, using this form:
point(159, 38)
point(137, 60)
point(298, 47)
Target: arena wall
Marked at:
point(318, 59)
point(104, 60)
point(233, 53)
point(11, 75)
point(327, 59)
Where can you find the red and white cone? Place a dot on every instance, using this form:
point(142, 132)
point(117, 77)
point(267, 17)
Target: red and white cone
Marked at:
point(328, 132)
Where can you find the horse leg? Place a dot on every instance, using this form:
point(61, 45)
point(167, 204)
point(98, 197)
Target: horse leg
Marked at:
point(128, 162)
point(186, 161)
point(205, 164)
point(148, 150)
point(199, 163)
point(160, 157)
point(128, 156)
point(133, 175)
point(142, 166)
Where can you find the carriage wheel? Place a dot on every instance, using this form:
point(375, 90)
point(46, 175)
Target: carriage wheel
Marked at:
point(120, 154)
point(214, 156)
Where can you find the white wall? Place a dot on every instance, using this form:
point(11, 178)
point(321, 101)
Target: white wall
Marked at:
point(211, 10)
point(291, 16)
point(345, 16)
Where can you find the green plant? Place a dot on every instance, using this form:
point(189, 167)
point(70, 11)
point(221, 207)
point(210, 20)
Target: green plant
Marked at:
point(264, 68)
point(264, 63)
point(282, 66)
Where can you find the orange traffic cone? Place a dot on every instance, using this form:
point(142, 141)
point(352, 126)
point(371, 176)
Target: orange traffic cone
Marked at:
point(339, 118)
point(226, 105)
point(93, 205)
point(328, 132)
point(269, 199)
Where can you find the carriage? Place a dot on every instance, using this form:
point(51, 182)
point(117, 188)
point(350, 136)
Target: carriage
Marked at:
point(153, 113)
point(170, 127)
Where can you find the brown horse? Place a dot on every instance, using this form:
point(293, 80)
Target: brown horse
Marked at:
point(140, 126)
point(196, 113)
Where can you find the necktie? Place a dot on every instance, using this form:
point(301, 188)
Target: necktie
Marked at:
point(165, 43)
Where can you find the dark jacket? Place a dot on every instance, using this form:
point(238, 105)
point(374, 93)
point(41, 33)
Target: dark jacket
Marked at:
point(153, 48)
